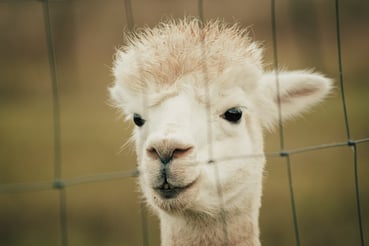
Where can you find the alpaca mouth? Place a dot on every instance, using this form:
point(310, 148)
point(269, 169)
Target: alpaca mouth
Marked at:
point(169, 191)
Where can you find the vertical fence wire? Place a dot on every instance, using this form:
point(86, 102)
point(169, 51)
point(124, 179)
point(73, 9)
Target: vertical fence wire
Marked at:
point(276, 71)
point(63, 216)
point(340, 70)
point(283, 154)
point(129, 14)
point(357, 194)
point(292, 200)
point(200, 7)
point(144, 219)
point(211, 161)
point(56, 127)
point(345, 113)
point(145, 231)
point(55, 90)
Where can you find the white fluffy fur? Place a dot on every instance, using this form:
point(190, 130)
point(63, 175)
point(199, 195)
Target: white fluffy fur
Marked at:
point(181, 77)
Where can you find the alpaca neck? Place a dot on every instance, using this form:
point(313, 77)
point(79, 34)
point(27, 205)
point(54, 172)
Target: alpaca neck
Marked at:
point(183, 230)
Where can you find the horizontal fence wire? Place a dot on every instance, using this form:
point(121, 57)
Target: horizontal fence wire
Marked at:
point(60, 183)
point(106, 177)
point(64, 183)
point(112, 176)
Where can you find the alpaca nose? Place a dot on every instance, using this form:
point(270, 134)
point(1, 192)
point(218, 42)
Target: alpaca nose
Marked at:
point(167, 150)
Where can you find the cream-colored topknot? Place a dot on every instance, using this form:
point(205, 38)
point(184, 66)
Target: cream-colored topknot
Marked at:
point(159, 56)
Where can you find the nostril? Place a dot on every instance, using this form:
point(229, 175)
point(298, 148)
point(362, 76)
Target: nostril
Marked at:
point(164, 155)
point(177, 153)
point(152, 153)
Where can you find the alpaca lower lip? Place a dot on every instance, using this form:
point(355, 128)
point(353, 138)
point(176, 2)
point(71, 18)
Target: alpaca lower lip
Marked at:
point(168, 191)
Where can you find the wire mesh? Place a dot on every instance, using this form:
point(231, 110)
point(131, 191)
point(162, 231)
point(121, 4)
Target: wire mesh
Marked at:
point(340, 69)
point(57, 129)
point(144, 221)
point(61, 184)
point(280, 123)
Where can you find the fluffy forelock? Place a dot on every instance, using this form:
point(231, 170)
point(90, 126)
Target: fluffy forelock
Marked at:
point(155, 58)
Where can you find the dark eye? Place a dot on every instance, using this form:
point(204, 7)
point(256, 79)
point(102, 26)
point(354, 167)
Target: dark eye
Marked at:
point(232, 115)
point(137, 119)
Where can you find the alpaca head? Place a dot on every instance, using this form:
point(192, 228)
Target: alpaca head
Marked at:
point(200, 100)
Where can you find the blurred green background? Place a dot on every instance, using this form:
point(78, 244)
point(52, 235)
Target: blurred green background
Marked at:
point(85, 35)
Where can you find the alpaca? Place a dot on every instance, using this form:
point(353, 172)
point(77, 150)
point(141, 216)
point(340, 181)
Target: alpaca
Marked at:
point(201, 100)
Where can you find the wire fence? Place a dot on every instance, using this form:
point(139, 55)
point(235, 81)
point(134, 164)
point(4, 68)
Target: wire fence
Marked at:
point(61, 184)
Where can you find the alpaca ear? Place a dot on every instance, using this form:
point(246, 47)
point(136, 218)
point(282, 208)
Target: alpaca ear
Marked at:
point(295, 91)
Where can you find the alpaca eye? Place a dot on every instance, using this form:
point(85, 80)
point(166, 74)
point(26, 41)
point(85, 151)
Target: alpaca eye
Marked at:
point(137, 119)
point(232, 115)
